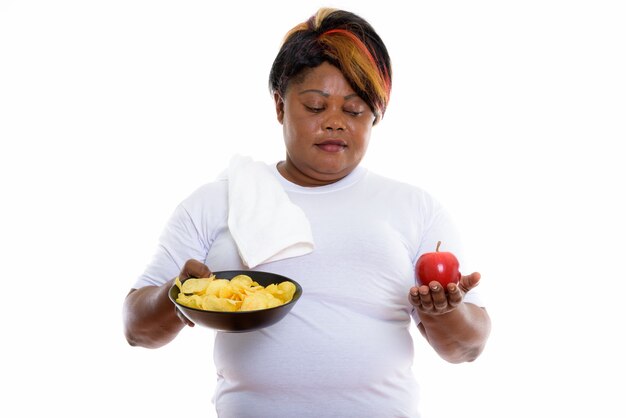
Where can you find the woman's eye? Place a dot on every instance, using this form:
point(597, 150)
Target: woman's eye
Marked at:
point(354, 112)
point(314, 109)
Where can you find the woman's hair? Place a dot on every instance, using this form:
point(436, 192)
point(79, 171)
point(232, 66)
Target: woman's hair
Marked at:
point(344, 40)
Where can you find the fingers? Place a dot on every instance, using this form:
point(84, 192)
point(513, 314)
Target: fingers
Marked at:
point(455, 294)
point(475, 278)
point(415, 297)
point(194, 268)
point(435, 299)
point(469, 282)
point(438, 297)
point(183, 318)
point(431, 298)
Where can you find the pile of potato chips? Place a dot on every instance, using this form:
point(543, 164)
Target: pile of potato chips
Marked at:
point(240, 293)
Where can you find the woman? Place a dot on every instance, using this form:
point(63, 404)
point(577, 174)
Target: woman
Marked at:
point(345, 349)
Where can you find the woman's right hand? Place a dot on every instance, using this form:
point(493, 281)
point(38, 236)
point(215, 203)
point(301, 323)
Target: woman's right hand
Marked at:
point(194, 269)
point(191, 269)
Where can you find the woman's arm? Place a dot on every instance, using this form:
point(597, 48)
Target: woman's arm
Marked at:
point(150, 318)
point(457, 330)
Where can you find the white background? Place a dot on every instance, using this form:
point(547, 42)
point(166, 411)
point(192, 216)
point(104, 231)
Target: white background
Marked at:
point(511, 113)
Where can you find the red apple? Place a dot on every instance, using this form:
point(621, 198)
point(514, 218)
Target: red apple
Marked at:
point(439, 266)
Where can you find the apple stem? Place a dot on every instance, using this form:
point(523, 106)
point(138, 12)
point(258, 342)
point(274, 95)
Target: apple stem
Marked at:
point(438, 244)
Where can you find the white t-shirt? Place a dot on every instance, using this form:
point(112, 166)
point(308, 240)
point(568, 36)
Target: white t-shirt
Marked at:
point(345, 349)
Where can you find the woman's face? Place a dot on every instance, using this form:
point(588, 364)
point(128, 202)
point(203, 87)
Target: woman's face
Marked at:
point(326, 127)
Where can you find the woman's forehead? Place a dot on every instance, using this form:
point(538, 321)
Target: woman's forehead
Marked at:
point(324, 79)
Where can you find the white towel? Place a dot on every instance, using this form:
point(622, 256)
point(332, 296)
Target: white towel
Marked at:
point(264, 223)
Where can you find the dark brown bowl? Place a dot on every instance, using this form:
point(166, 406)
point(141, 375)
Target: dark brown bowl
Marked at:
point(241, 321)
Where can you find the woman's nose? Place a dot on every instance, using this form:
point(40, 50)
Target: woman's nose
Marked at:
point(335, 120)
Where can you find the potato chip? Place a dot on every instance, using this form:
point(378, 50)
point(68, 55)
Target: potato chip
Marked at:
point(214, 303)
point(192, 301)
point(215, 286)
point(196, 286)
point(283, 291)
point(229, 292)
point(243, 280)
point(259, 300)
point(288, 289)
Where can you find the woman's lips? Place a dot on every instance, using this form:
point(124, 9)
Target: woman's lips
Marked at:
point(332, 146)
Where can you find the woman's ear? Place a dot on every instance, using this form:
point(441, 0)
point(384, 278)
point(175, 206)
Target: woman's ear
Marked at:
point(280, 107)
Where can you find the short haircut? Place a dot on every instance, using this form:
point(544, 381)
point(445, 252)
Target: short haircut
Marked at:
point(344, 40)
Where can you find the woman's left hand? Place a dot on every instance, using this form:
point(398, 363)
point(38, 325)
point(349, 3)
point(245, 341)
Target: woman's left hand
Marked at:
point(435, 300)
